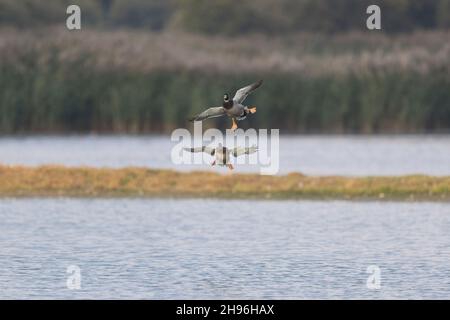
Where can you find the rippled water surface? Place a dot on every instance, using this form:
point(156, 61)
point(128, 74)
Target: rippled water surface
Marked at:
point(158, 249)
point(316, 155)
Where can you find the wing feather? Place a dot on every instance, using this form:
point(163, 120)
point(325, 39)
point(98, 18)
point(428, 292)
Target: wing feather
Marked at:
point(243, 93)
point(204, 149)
point(209, 113)
point(238, 151)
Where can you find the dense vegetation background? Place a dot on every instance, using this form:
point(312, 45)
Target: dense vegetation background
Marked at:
point(147, 65)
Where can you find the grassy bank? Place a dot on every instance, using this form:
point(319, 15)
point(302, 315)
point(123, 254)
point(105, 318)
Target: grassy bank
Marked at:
point(57, 181)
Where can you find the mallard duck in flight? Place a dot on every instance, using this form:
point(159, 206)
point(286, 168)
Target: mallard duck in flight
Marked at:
point(221, 154)
point(231, 107)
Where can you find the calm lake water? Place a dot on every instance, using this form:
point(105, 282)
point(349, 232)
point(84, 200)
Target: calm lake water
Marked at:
point(314, 155)
point(200, 249)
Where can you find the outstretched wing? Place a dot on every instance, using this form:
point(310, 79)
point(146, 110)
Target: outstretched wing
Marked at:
point(238, 151)
point(243, 93)
point(204, 149)
point(209, 113)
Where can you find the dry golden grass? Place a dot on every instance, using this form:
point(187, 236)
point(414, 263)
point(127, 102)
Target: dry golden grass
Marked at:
point(16, 181)
point(308, 54)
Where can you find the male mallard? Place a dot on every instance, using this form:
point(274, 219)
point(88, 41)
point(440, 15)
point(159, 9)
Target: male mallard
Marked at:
point(221, 154)
point(232, 108)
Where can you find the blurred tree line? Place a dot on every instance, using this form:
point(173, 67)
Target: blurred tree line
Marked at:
point(231, 17)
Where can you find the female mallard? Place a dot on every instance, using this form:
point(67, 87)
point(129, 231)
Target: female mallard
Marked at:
point(221, 154)
point(231, 107)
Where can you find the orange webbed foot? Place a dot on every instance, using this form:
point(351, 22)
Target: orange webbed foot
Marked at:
point(234, 126)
